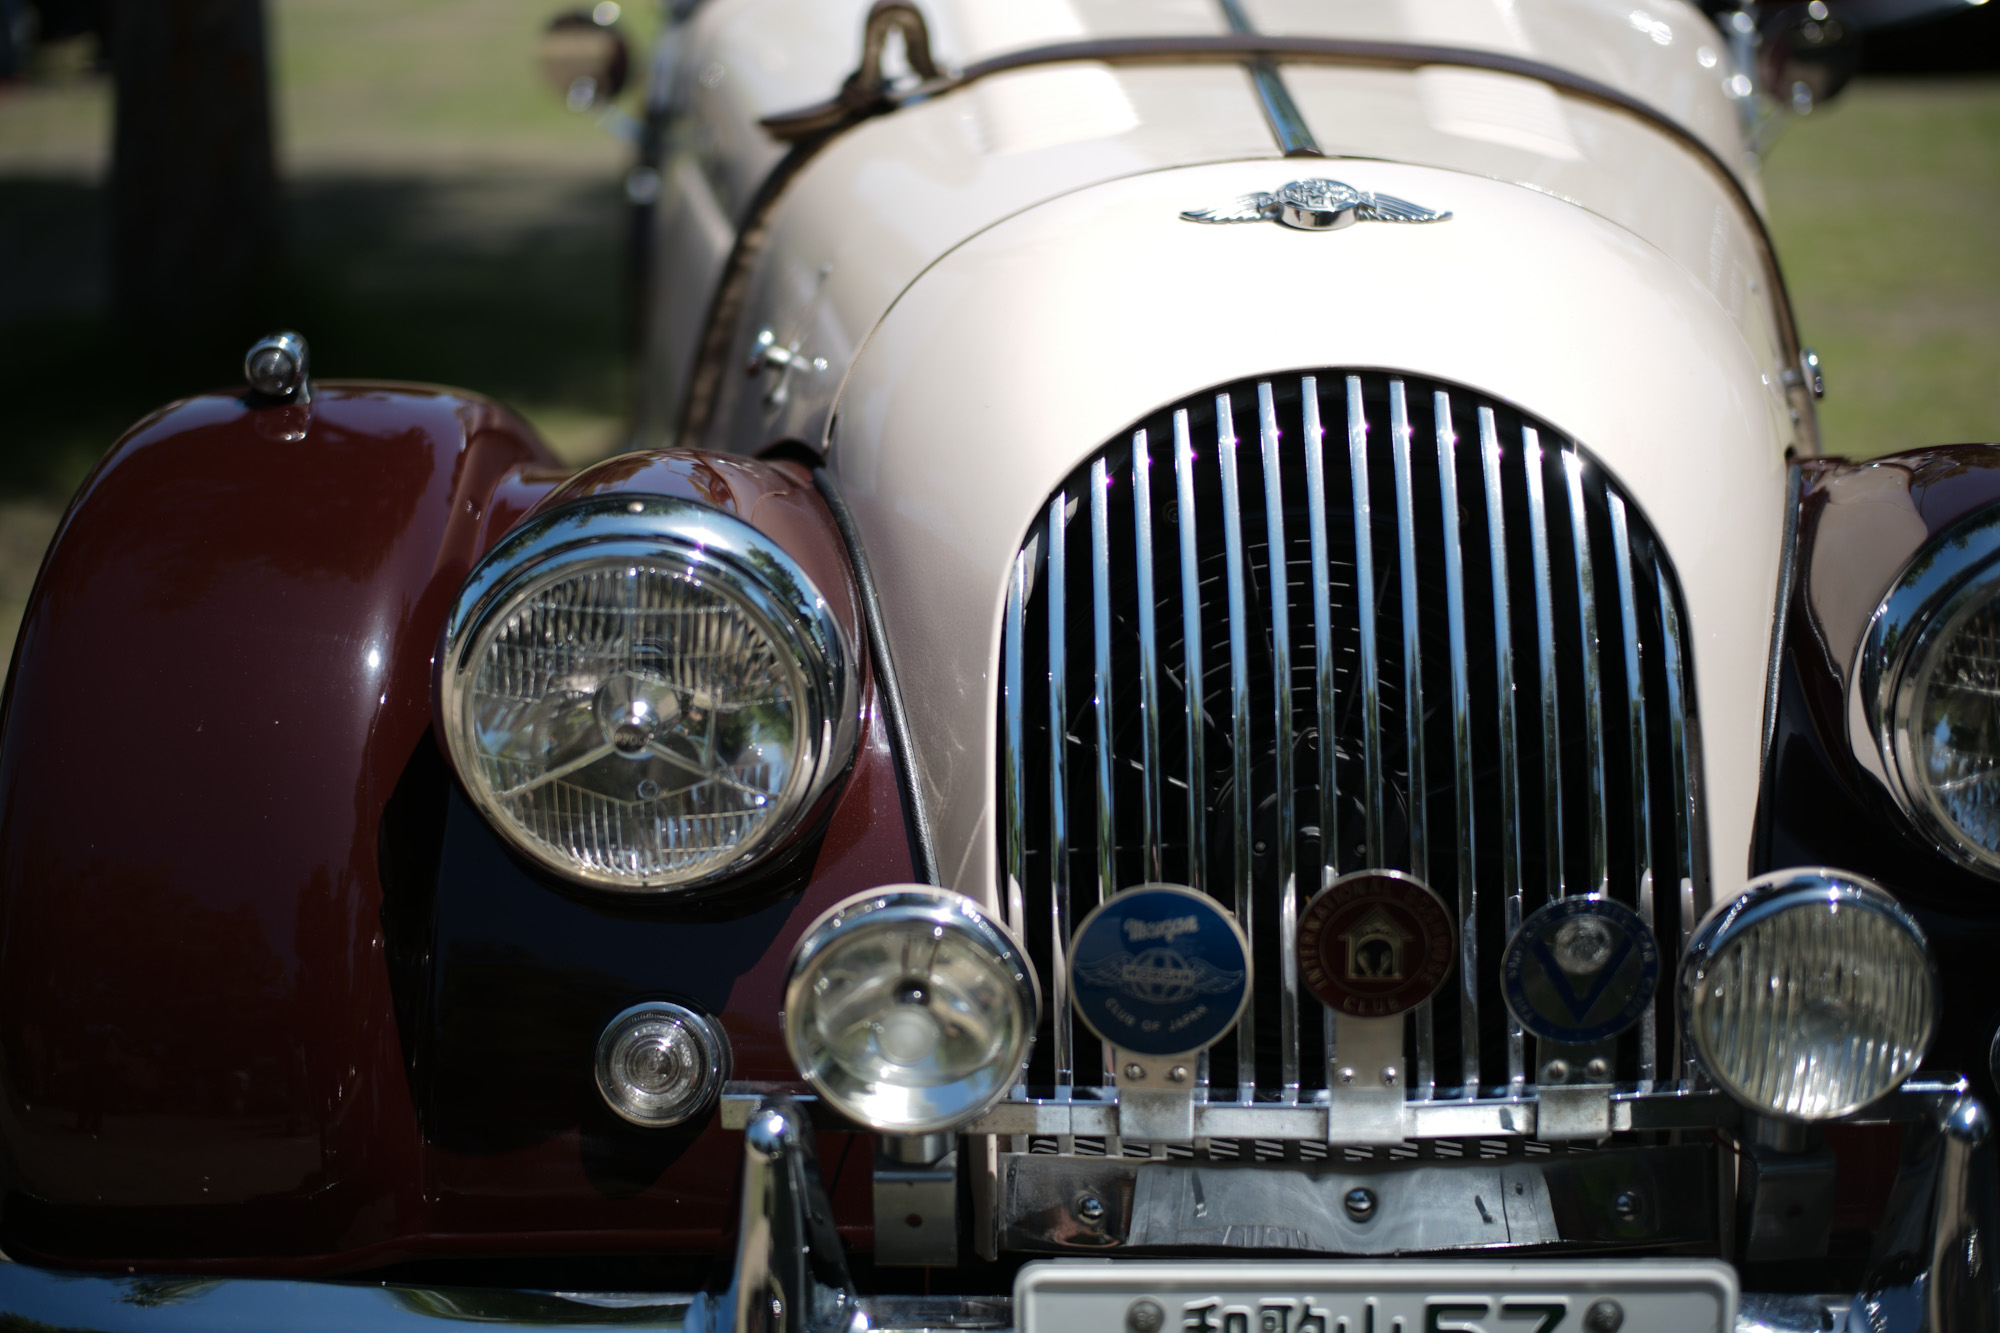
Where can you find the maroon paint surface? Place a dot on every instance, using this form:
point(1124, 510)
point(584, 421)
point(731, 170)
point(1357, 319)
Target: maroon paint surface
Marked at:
point(223, 672)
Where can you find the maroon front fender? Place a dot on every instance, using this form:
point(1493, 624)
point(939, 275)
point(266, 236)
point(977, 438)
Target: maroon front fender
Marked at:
point(223, 671)
point(260, 1007)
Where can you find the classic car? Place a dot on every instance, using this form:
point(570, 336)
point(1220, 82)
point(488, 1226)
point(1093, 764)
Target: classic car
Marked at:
point(1224, 689)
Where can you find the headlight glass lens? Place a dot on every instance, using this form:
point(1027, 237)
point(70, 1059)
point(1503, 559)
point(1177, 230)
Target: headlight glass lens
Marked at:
point(635, 722)
point(909, 1010)
point(644, 694)
point(1955, 728)
point(1810, 996)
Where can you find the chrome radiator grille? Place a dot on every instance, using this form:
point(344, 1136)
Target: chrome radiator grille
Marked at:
point(1254, 646)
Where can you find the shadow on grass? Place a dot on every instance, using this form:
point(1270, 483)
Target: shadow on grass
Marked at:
point(511, 286)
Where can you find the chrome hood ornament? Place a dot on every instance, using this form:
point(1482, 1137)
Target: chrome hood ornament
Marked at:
point(1317, 204)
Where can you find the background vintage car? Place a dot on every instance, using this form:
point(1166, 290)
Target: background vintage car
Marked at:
point(440, 1106)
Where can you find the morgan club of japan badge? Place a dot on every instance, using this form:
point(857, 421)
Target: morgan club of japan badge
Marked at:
point(1159, 970)
point(1375, 943)
point(1580, 970)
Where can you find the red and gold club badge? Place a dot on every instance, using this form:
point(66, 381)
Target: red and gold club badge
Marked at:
point(1375, 943)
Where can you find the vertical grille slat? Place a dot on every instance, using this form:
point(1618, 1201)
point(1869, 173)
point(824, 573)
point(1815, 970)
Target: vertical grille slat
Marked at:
point(1593, 681)
point(1149, 662)
point(1191, 673)
point(1313, 440)
point(1461, 742)
point(1635, 706)
point(1545, 658)
point(1506, 717)
point(1056, 595)
point(1106, 842)
point(1364, 602)
point(1284, 842)
point(1014, 776)
point(1242, 802)
point(1313, 664)
point(1416, 786)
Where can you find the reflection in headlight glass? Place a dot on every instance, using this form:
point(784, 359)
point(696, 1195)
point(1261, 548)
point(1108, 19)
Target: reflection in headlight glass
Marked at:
point(1956, 728)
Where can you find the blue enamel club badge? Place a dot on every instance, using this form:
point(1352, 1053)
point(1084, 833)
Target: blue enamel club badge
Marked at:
point(1159, 970)
point(1580, 970)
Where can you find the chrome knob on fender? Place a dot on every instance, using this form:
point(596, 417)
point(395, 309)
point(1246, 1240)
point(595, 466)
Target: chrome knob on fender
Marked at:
point(276, 367)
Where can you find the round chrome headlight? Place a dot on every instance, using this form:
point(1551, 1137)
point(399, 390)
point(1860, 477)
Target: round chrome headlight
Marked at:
point(1929, 683)
point(910, 1010)
point(1810, 995)
point(644, 694)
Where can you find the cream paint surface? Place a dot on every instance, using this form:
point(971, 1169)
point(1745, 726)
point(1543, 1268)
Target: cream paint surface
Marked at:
point(953, 427)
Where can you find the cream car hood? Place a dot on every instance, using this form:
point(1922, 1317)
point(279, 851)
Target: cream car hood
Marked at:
point(1047, 335)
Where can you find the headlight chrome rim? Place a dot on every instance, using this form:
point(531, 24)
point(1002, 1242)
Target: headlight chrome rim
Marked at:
point(720, 552)
point(1950, 578)
point(941, 909)
point(1766, 898)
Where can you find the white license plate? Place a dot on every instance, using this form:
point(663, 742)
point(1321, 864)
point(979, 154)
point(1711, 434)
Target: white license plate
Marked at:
point(1375, 1296)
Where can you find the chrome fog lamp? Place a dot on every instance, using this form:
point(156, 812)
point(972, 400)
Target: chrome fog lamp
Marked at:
point(909, 1009)
point(660, 1064)
point(1929, 686)
point(1810, 995)
point(643, 694)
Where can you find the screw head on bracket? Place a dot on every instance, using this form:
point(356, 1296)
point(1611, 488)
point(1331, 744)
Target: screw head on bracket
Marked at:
point(1359, 1203)
point(1145, 1317)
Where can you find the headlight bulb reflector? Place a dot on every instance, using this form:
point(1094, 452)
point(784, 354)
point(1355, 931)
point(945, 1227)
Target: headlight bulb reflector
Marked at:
point(660, 1064)
point(909, 1010)
point(1809, 996)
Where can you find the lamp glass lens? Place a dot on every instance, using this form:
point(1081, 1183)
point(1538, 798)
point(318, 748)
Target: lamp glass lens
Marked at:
point(654, 1068)
point(636, 724)
point(1814, 1011)
point(907, 1022)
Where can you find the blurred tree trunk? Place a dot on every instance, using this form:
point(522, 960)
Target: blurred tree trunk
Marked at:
point(193, 181)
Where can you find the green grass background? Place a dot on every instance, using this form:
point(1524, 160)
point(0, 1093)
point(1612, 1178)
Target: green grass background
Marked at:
point(1886, 208)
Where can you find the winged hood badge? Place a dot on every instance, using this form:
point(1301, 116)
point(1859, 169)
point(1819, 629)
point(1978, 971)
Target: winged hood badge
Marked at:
point(1317, 205)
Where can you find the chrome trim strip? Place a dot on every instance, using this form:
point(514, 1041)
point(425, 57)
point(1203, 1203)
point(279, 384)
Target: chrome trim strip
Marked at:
point(1191, 675)
point(1149, 661)
point(1413, 691)
point(1593, 681)
point(1510, 761)
point(1063, 1042)
point(1276, 560)
point(1642, 802)
point(1788, 549)
point(1545, 643)
point(1364, 600)
point(1013, 761)
point(1100, 623)
point(1244, 803)
point(1461, 746)
point(1281, 113)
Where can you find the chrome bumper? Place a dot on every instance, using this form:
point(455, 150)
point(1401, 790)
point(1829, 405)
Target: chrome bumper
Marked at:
point(1930, 1272)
